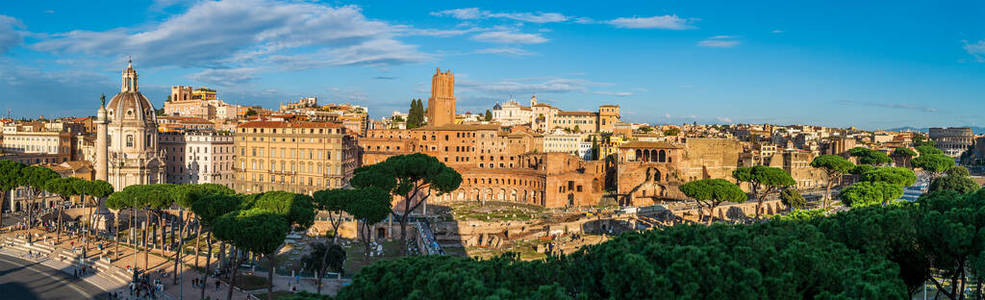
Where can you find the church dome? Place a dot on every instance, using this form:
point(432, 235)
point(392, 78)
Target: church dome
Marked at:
point(129, 104)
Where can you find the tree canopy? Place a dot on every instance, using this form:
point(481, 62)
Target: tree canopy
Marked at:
point(903, 152)
point(868, 156)
point(792, 198)
point(892, 175)
point(297, 209)
point(834, 164)
point(934, 163)
point(928, 150)
point(712, 192)
point(870, 193)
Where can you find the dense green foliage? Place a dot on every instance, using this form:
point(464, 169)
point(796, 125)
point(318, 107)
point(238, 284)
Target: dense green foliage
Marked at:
point(792, 198)
point(413, 177)
point(872, 252)
point(712, 192)
point(765, 181)
point(870, 193)
point(891, 175)
point(928, 150)
point(771, 260)
point(868, 156)
point(415, 116)
point(934, 163)
point(835, 167)
point(955, 179)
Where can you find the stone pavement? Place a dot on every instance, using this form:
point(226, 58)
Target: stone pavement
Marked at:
point(117, 281)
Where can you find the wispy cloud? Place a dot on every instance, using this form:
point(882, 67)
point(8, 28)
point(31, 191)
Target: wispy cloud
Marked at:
point(510, 37)
point(224, 77)
point(889, 105)
point(976, 49)
point(476, 13)
point(505, 51)
point(243, 34)
point(719, 41)
point(776, 31)
point(9, 35)
point(610, 93)
point(672, 22)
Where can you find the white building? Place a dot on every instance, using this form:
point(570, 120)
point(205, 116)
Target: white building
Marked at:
point(561, 141)
point(198, 157)
point(512, 113)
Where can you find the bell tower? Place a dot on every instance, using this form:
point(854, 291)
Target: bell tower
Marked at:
point(441, 105)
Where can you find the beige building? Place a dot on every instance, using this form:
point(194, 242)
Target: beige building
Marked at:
point(299, 157)
point(20, 140)
point(561, 141)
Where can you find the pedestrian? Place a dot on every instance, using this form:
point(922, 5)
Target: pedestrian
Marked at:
point(195, 282)
point(217, 285)
point(75, 274)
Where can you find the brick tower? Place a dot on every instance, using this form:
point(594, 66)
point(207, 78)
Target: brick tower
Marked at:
point(441, 105)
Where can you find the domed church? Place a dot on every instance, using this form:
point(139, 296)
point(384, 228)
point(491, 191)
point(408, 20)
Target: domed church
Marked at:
point(126, 137)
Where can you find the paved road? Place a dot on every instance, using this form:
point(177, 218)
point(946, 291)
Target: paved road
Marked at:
point(21, 279)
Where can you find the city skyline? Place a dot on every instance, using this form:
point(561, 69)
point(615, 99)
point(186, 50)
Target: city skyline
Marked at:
point(665, 63)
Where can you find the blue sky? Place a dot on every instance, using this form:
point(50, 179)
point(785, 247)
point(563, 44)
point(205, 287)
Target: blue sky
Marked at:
point(870, 64)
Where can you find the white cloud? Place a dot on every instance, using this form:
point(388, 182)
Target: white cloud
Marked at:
point(529, 86)
point(672, 22)
point(460, 13)
point(506, 51)
point(723, 119)
point(510, 37)
point(532, 17)
point(610, 93)
point(231, 34)
point(720, 41)
point(475, 13)
point(224, 77)
point(9, 35)
point(776, 31)
point(976, 49)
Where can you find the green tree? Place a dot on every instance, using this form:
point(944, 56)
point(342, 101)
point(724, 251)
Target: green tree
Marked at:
point(712, 192)
point(208, 210)
point(928, 150)
point(65, 188)
point(414, 177)
point(488, 116)
point(936, 164)
point(36, 179)
point(867, 156)
point(10, 178)
point(920, 140)
point(673, 131)
point(903, 155)
point(898, 176)
point(870, 193)
point(371, 206)
point(324, 257)
point(333, 202)
point(955, 179)
point(98, 190)
point(185, 196)
point(792, 198)
point(296, 209)
point(256, 230)
point(764, 181)
point(835, 167)
point(415, 116)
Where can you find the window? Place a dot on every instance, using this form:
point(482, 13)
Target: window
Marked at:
point(129, 140)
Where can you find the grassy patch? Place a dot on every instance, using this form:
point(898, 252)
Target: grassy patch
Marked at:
point(250, 282)
point(491, 211)
point(275, 294)
point(355, 254)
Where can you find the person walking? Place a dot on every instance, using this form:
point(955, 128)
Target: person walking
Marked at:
point(216, 285)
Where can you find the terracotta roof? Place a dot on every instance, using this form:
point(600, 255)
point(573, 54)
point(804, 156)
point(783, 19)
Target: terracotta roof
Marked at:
point(285, 124)
point(609, 105)
point(642, 144)
point(542, 105)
